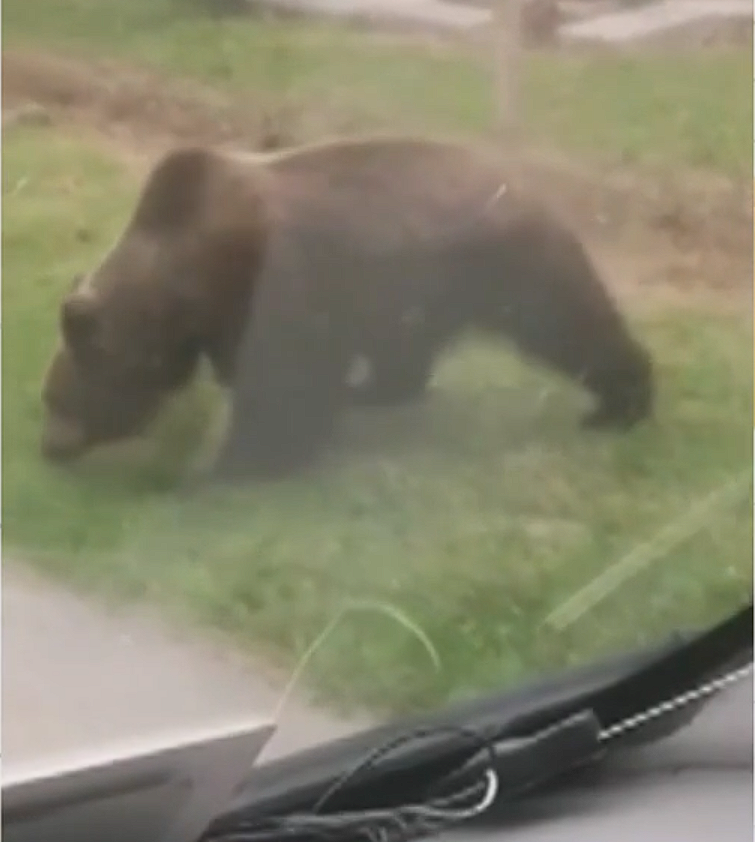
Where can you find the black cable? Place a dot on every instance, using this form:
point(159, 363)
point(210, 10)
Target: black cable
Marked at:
point(483, 744)
point(389, 824)
point(522, 757)
point(493, 770)
point(293, 783)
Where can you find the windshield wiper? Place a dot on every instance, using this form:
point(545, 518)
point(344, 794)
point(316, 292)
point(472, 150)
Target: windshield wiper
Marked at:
point(528, 736)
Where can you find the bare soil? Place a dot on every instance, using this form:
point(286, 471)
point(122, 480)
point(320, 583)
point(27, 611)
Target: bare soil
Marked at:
point(676, 234)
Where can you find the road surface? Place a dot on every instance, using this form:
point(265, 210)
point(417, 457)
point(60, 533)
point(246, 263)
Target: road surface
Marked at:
point(630, 24)
point(609, 28)
point(76, 674)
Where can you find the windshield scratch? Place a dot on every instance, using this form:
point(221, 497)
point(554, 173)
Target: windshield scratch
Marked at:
point(674, 533)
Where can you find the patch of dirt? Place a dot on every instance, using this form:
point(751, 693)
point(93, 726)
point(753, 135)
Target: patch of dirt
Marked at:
point(687, 232)
point(125, 102)
point(149, 111)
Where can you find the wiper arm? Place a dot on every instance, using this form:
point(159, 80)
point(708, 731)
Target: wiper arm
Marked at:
point(536, 733)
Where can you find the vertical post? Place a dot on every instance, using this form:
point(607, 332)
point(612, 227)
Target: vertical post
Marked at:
point(507, 51)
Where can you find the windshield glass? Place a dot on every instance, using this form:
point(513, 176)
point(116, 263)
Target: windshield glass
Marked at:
point(404, 351)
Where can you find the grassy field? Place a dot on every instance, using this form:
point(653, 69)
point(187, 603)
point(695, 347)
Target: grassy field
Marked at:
point(475, 515)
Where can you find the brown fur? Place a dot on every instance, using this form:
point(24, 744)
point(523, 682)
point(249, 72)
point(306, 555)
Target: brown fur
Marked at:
point(282, 268)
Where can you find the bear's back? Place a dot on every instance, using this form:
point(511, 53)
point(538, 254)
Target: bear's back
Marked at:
point(384, 192)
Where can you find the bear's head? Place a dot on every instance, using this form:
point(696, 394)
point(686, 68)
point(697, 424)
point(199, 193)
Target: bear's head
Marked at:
point(134, 329)
point(121, 354)
point(80, 413)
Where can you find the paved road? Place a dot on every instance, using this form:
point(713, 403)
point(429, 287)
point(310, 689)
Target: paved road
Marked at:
point(440, 13)
point(76, 674)
point(612, 28)
point(630, 24)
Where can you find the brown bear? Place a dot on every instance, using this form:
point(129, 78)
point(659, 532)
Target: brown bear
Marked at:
point(282, 269)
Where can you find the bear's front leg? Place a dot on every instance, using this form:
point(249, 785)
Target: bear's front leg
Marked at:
point(261, 444)
point(285, 401)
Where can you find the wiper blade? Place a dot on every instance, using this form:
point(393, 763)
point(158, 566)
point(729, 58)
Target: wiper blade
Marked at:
point(593, 700)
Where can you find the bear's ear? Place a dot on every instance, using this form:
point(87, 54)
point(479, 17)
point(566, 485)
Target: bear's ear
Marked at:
point(79, 319)
point(172, 195)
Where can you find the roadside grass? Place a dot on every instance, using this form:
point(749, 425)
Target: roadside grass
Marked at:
point(475, 515)
point(684, 108)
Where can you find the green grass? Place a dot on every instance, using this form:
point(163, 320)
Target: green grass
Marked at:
point(475, 515)
point(694, 109)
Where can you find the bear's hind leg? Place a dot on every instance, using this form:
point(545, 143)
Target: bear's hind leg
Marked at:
point(552, 305)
